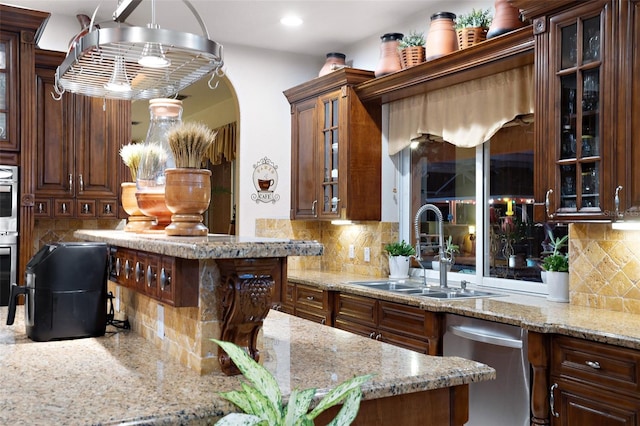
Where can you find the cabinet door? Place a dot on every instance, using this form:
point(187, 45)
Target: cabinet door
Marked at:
point(9, 111)
point(329, 150)
point(578, 405)
point(303, 177)
point(628, 111)
point(54, 145)
point(96, 145)
point(581, 120)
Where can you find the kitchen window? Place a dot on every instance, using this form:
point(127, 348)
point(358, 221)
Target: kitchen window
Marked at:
point(486, 197)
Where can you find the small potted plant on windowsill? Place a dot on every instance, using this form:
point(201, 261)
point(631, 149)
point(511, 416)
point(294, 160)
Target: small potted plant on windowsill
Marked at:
point(556, 267)
point(411, 49)
point(472, 27)
point(399, 258)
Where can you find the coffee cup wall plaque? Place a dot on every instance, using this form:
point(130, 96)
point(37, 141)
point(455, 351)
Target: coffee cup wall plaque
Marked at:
point(265, 180)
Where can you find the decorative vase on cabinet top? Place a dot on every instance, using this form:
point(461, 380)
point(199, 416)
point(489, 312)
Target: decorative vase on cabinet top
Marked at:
point(389, 56)
point(335, 60)
point(507, 18)
point(441, 38)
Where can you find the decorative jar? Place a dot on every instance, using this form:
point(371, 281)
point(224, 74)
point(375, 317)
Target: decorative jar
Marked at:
point(442, 38)
point(389, 56)
point(335, 60)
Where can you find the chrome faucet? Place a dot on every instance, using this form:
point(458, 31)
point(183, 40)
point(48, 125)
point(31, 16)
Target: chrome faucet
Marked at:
point(442, 257)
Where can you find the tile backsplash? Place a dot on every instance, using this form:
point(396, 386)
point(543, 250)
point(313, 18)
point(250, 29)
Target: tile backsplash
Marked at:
point(604, 267)
point(336, 240)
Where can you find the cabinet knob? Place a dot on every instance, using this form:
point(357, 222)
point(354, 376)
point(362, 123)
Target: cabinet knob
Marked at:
point(616, 202)
point(593, 364)
point(552, 400)
point(70, 183)
point(309, 297)
point(547, 202)
point(85, 208)
point(372, 335)
point(63, 207)
point(81, 182)
point(313, 208)
point(165, 279)
point(40, 208)
point(323, 321)
point(151, 277)
point(107, 209)
point(139, 272)
point(118, 266)
point(127, 269)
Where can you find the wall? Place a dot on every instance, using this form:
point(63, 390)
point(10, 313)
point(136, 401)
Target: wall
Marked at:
point(604, 267)
point(336, 240)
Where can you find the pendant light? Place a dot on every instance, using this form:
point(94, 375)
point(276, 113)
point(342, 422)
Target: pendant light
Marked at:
point(105, 59)
point(118, 81)
point(153, 54)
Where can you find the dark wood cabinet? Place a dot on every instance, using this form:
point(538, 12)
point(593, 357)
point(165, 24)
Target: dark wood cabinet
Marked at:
point(401, 325)
point(628, 109)
point(577, 85)
point(335, 149)
point(171, 280)
point(313, 304)
point(578, 382)
point(77, 149)
point(9, 130)
point(594, 383)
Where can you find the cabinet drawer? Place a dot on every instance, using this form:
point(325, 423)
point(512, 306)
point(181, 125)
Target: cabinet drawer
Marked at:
point(357, 309)
point(311, 298)
point(42, 207)
point(401, 318)
point(596, 363)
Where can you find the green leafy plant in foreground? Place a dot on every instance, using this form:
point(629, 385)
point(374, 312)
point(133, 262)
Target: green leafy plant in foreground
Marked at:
point(262, 402)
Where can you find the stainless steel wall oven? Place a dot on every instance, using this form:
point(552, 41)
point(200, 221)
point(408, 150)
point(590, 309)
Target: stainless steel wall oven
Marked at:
point(8, 230)
point(8, 198)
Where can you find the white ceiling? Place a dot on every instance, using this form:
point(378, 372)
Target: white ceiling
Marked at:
point(328, 25)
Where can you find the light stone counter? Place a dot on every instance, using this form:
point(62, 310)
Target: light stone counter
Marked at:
point(213, 246)
point(533, 313)
point(122, 377)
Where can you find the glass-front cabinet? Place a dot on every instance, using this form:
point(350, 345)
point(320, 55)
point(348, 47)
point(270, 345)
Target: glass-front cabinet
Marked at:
point(335, 149)
point(8, 93)
point(580, 138)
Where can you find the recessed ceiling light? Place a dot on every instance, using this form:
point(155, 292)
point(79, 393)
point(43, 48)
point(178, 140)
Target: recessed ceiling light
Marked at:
point(291, 21)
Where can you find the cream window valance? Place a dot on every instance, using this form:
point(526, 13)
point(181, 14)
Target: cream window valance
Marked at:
point(465, 114)
point(224, 148)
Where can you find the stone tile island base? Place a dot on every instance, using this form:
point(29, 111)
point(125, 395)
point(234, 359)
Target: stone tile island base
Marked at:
point(234, 298)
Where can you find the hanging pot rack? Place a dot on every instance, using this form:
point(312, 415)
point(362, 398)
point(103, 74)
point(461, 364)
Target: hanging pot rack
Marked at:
point(90, 63)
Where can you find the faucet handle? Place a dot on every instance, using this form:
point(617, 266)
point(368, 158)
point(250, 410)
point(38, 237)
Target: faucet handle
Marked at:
point(463, 284)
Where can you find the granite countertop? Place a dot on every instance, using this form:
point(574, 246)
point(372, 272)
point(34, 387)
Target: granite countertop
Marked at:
point(212, 246)
point(123, 378)
point(531, 312)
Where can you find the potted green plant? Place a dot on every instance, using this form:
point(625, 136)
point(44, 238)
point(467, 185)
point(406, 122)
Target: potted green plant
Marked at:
point(399, 258)
point(411, 49)
point(472, 27)
point(262, 403)
point(556, 267)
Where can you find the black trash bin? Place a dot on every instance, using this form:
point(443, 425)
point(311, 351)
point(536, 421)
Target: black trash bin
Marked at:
point(65, 292)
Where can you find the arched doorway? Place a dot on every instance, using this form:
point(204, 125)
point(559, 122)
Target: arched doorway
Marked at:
point(215, 108)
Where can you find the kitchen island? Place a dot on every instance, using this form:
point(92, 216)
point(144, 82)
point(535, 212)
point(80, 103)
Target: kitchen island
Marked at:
point(123, 378)
point(179, 292)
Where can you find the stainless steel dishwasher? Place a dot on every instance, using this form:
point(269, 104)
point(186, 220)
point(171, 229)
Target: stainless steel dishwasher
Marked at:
point(500, 402)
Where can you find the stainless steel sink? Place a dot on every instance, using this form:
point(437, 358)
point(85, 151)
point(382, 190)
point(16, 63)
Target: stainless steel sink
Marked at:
point(415, 289)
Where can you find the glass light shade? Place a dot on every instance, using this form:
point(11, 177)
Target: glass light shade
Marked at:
point(118, 81)
point(153, 56)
